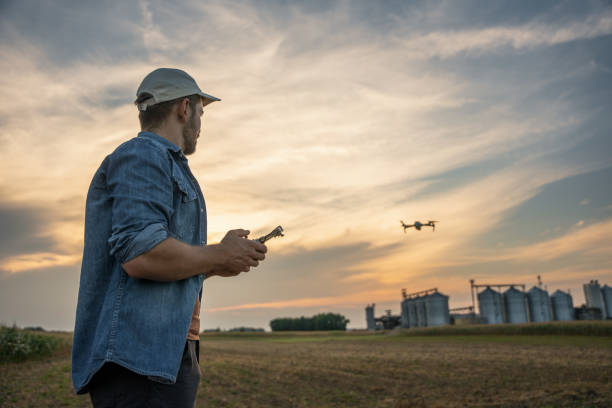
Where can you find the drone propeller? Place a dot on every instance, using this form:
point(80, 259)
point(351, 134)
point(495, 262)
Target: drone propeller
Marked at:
point(432, 224)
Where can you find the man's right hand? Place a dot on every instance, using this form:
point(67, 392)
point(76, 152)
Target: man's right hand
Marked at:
point(239, 254)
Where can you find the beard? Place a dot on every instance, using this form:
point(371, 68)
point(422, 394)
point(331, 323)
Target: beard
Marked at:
point(190, 135)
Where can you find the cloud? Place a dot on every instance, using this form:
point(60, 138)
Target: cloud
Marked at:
point(37, 237)
point(351, 300)
point(154, 39)
point(336, 122)
point(594, 239)
point(295, 272)
point(22, 229)
point(446, 44)
point(40, 260)
point(44, 298)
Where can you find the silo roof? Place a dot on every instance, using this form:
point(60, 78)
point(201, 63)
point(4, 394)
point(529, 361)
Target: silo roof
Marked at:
point(537, 289)
point(489, 290)
point(512, 290)
point(438, 294)
point(559, 292)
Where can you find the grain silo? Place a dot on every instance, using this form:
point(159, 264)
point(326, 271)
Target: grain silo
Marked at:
point(606, 291)
point(420, 311)
point(436, 309)
point(594, 297)
point(412, 312)
point(515, 302)
point(539, 305)
point(370, 317)
point(562, 306)
point(490, 306)
point(405, 319)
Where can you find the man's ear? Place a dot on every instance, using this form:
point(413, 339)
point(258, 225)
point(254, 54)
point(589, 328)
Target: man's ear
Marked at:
point(183, 110)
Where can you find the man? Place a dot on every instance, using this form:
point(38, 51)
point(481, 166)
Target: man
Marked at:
point(145, 258)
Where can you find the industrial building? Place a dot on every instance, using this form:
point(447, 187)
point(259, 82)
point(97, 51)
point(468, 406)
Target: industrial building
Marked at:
point(539, 305)
point(594, 297)
point(562, 306)
point(429, 308)
point(607, 295)
point(515, 302)
point(385, 322)
point(491, 308)
point(371, 322)
point(426, 308)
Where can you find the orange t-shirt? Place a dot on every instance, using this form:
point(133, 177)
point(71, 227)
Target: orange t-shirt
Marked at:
point(194, 327)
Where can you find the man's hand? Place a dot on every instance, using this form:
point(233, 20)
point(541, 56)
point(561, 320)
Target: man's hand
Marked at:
point(173, 260)
point(239, 253)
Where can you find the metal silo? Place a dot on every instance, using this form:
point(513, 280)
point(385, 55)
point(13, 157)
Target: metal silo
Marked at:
point(370, 317)
point(436, 309)
point(420, 311)
point(562, 306)
point(606, 291)
point(490, 305)
point(539, 305)
point(516, 306)
point(405, 319)
point(412, 313)
point(594, 297)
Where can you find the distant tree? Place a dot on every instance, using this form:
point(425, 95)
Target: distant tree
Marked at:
point(212, 330)
point(322, 321)
point(246, 329)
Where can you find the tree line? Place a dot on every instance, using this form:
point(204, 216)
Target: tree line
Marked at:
point(322, 321)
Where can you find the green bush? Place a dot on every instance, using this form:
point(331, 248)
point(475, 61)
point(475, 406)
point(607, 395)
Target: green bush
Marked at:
point(19, 345)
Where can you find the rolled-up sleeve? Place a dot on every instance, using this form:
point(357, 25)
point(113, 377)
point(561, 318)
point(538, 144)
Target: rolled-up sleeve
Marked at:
point(139, 180)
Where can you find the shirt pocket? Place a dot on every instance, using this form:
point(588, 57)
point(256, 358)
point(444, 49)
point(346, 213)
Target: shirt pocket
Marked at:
point(185, 215)
point(187, 191)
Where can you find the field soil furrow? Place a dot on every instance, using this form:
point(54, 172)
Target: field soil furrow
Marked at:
point(383, 370)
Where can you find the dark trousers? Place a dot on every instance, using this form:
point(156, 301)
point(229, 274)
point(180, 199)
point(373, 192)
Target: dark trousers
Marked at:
point(117, 387)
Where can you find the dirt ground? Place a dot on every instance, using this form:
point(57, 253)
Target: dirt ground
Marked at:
point(365, 371)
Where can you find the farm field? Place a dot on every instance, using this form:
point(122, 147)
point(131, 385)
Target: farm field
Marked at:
point(479, 367)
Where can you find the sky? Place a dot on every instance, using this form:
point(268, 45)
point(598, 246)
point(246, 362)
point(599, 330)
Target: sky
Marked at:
point(338, 119)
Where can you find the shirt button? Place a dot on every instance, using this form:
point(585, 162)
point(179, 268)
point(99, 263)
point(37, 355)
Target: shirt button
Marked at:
point(201, 210)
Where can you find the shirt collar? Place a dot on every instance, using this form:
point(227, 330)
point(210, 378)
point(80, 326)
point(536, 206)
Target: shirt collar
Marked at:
point(168, 144)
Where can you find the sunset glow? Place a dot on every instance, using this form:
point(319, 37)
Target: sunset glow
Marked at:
point(337, 120)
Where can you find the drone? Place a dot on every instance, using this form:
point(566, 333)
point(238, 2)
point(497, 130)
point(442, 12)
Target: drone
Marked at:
point(418, 225)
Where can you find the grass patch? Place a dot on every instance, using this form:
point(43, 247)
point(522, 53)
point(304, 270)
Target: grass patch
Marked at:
point(19, 345)
point(547, 340)
point(586, 341)
point(568, 333)
point(576, 328)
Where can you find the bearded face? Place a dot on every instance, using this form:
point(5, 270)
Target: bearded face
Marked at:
point(191, 132)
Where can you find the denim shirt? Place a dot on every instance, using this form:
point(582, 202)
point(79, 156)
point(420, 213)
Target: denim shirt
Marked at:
point(142, 193)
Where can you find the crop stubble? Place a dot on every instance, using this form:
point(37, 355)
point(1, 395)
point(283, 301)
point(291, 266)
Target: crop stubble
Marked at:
point(364, 371)
point(408, 372)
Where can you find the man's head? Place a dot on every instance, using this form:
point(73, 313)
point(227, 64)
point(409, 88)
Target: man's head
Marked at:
point(168, 94)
